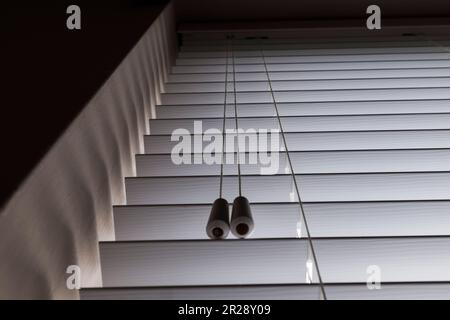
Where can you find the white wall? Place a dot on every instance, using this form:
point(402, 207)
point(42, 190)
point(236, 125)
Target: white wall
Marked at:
point(64, 207)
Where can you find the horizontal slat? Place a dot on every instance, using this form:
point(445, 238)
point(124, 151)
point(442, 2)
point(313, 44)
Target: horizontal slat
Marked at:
point(311, 52)
point(399, 291)
point(326, 141)
point(304, 109)
point(202, 262)
point(239, 46)
point(352, 95)
point(310, 75)
point(158, 126)
point(274, 261)
point(204, 189)
point(308, 96)
point(350, 74)
point(302, 162)
point(291, 37)
point(383, 219)
point(316, 58)
point(160, 144)
point(249, 292)
point(279, 220)
point(388, 291)
point(299, 49)
point(308, 124)
point(293, 85)
point(402, 259)
point(188, 222)
point(368, 140)
point(315, 66)
point(313, 188)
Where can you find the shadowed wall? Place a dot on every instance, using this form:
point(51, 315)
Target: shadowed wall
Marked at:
point(64, 207)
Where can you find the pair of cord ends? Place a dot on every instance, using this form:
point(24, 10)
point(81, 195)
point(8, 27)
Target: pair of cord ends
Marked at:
point(241, 223)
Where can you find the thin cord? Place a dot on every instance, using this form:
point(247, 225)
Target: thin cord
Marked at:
point(223, 125)
point(322, 287)
point(238, 156)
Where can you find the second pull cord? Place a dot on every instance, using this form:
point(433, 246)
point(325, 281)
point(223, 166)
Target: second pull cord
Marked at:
point(241, 216)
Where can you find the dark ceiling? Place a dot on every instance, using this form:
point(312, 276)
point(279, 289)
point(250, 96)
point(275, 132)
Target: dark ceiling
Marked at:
point(251, 10)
